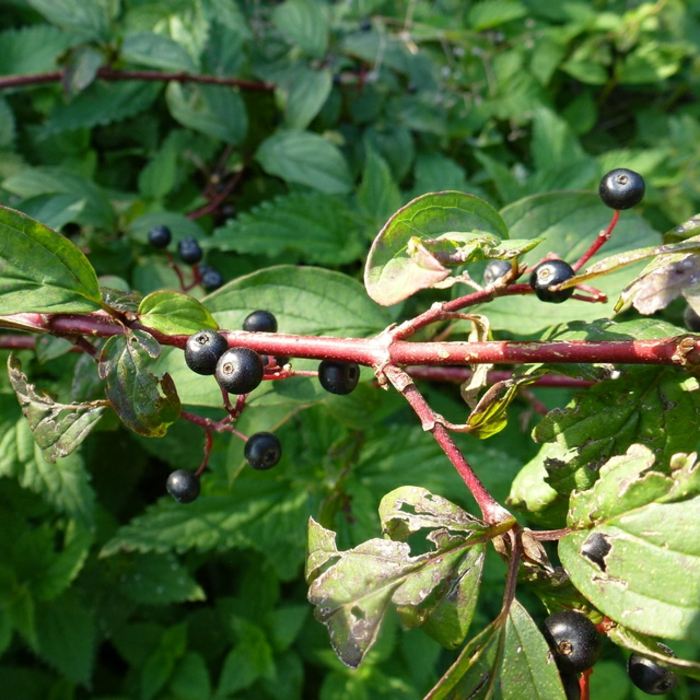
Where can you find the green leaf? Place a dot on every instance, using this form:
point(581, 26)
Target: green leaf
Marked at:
point(41, 270)
point(378, 193)
point(7, 124)
point(487, 15)
point(435, 172)
point(53, 210)
point(394, 272)
point(174, 313)
point(509, 659)
point(57, 428)
point(302, 92)
point(81, 69)
point(179, 225)
point(89, 20)
point(159, 176)
point(352, 590)
point(190, 680)
point(209, 109)
point(568, 223)
point(101, 104)
point(310, 226)
point(33, 49)
point(303, 23)
point(251, 659)
point(161, 662)
point(157, 51)
point(304, 158)
point(649, 580)
point(145, 403)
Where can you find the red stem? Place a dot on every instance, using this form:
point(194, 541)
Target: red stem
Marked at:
point(584, 684)
point(208, 442)
point(106, 73)
point(601, 238)
point(213, 204)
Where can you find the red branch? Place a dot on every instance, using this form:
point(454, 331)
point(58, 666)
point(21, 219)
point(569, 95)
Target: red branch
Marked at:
point(105, 73)
point(597, 244)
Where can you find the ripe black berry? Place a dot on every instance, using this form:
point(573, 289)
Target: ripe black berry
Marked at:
point(649, 676)
point(338, 377)
point(211, 279)
point(203, 351)
point(574, 640)
point(183, 486)
point(691, 319)
point(546, 275)
point(621, 188)
point(189, 251)
point(239, 370)
point(495, 270)
point(262, 451)
point(260, 321)
point(572, 689)
point(159, 236)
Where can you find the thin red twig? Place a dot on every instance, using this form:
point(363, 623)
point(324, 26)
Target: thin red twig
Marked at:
point(601, 238)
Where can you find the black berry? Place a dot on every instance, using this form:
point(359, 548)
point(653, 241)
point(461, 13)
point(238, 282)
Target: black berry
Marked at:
point(260, 321)
point(239, 370)
point(574, 640)
point(546, 275)
point(203, 351)
point(159, 236)
point(189, 251)
point(263, 451)
point(621, 188)
point(691, 319)
point(183, 486)
point(572, 689)
point(211, 279)
point(649, 676)
point(338, 377)
point(495, 270)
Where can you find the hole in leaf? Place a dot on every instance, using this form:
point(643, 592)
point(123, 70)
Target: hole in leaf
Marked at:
point(595, 549)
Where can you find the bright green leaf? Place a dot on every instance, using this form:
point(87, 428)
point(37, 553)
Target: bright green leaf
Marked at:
point(174, 313)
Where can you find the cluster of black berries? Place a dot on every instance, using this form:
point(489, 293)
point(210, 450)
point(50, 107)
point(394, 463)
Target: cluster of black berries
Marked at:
point(619, 189)
point(575, 645)
point(239, 371)
point(190, 252)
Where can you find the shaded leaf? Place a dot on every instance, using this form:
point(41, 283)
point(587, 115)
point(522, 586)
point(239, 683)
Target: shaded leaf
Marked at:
point(174, 313)
point(57, 428)
point(303, 23)
point(156, 50)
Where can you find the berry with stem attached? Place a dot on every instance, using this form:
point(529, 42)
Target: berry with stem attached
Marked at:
point(262, 450)
point(203, 350)
point(338, 377)
point(649, 676)
point(160, 237)
point(189, 251)
point(572, 689)
point(573, 639)
point(495, 270)
point(548, 274)
point(239, 370)
point(621, 188)
point(183, 486)
point(260, 322)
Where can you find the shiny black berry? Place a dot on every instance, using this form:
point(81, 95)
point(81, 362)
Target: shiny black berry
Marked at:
point(159, 236)
point(260, 322)
point(203, 350)
point(572, 689)
point(239, 370)
point(262, 451)
point(548, 274)
point(183, 486)
point(495, 270)
point(189, 251)
point(649, 676)
point(573, 639)
point(211, 279)
point(621, 188)
point(338, 377)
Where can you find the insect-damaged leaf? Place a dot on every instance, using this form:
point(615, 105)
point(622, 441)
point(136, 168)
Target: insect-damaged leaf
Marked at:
point(414, 248)
point(145, 403)
point(638, 557)
point(57, 428)
point(352, 589)
point(509, 659)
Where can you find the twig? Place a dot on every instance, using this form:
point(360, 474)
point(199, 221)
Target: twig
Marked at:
point(601, 238)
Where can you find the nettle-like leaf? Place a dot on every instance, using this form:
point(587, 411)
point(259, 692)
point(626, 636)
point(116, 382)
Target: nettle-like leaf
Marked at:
point(416, 244)
point(145, 403)
point(660, 407)
point(174, 313)
point(634, 552)
point(353, 589)
point(509, 659)
point(41, 270)
point(57, 428)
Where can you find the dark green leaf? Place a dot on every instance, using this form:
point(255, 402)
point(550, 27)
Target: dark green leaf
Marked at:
point(174, 313)
point(304, 158)
point(303, 23)
point(89, 20)
point(41, 270)
point(54, 210)
point(57, 428)
point(33, 49)
point(145, 403)
point(190, 680)
point(249, 660)
point(378, 193)
point(81, 69)
point(156, 50)
point(396, 268)
point(302, 92)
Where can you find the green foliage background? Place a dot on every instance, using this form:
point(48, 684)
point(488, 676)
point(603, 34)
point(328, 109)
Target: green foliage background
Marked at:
point(108, 589)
